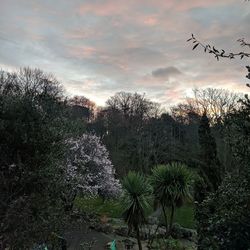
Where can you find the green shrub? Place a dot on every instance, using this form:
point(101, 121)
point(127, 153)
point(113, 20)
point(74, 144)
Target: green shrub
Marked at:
point(223, 218)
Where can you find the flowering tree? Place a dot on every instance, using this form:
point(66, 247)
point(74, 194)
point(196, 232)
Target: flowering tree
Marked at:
point(89, 169)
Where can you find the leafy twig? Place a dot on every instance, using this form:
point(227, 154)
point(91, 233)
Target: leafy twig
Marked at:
point(220, 53)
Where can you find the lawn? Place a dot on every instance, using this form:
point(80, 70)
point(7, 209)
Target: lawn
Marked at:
point(114, 208)
point(185, 216)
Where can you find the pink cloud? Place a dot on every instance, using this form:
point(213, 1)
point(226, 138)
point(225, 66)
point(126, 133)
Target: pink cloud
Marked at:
point(119, 7)
point(105, 8)
point(81, 52)
point(151, 21)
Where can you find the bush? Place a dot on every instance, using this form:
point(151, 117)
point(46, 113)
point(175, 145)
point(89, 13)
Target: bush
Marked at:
point(224, 217)
point(33, 127)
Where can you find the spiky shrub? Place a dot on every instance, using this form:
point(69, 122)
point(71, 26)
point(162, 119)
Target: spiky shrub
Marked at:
point(137, 191)
point(171, 186)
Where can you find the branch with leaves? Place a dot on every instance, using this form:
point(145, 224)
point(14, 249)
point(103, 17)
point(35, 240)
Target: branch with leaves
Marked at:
point(221, 53)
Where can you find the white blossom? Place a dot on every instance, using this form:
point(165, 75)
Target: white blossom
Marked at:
point(89, 169)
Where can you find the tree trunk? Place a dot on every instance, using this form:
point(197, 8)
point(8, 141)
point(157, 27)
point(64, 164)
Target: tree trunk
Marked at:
point(171, 218)
point(151, 239)
point(166, 218)
point(138, 238)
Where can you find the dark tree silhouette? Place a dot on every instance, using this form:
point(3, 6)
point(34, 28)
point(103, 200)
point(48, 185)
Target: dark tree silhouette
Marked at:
point(210, 164)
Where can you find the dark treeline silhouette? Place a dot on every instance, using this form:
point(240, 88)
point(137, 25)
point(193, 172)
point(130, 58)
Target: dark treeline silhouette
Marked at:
point(139, 135)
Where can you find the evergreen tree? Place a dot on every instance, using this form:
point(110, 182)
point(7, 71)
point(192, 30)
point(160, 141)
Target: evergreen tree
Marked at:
point(210, 167)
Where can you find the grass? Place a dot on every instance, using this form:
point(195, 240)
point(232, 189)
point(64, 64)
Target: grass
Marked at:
point(185, 216)
point(114, 208)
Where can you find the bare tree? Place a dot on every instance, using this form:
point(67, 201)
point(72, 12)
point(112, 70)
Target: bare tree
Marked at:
point(30, 82)
point(216, 103)
point(133, 105)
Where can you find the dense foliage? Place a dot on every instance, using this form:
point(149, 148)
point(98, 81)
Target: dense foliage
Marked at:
point(224, 216)
point(33, 127)
point(45, 158)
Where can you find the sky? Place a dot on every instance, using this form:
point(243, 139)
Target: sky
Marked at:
point(96, 48)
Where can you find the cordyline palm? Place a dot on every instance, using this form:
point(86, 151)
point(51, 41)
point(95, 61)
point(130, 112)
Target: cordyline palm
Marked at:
point(171, 186)
point(137, 193)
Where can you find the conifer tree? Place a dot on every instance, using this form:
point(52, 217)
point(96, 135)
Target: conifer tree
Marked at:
point(210, 167)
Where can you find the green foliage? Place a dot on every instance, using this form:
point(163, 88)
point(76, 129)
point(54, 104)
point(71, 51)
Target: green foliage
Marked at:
point(113, 208)
point(201, 187)
point(237, 130)
point(33, 128)
point(167, 244)
point(171, 184)
point(223, 217)
point(137, 193)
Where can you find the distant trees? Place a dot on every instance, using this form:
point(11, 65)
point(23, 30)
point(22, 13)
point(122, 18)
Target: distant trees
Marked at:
point(134, 106)
point(137, 133)
point(82, 107)
point(122, 126)
point(216, 103)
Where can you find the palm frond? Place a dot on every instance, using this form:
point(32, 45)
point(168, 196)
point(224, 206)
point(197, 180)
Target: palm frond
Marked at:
point(137, 192)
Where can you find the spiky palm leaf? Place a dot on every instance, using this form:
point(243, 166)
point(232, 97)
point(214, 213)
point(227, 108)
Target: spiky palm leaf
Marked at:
point(171, 183)
point(137, 193)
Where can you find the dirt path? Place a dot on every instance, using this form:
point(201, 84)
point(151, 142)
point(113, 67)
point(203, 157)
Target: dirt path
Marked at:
point(76, 237)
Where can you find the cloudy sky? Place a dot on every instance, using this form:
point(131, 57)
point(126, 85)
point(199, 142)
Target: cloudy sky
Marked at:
point(99, 47)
